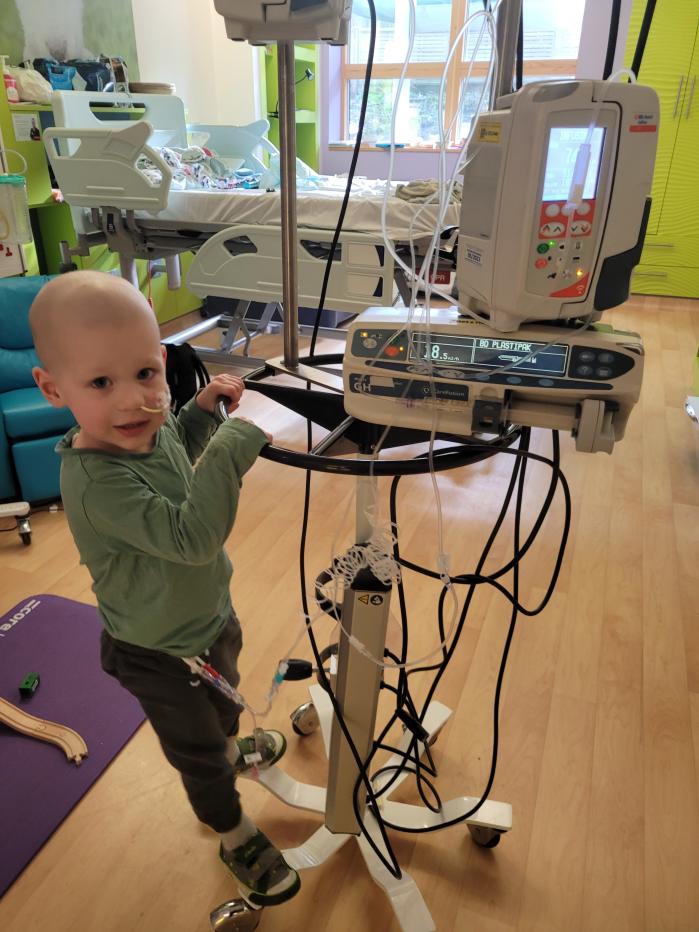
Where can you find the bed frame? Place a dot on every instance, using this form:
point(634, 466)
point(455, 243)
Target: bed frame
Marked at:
point(93, 150)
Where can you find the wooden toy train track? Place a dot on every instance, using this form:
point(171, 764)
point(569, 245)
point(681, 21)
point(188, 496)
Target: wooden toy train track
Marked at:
point(69, 741)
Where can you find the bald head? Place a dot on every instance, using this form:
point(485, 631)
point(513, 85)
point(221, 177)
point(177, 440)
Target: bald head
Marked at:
point(74, 309)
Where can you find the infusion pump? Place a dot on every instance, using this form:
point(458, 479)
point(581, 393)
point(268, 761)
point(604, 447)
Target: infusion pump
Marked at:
point(461, 377)
point(556, 201)
point(554, 210)
point(263, 21)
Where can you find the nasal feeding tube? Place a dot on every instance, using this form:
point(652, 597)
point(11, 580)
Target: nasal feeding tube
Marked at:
point(163, 402)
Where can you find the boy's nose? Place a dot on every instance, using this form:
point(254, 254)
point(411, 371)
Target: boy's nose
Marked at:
point(131, 397)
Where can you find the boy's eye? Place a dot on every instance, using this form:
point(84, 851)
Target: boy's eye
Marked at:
point(100, 382)
point(145, 374)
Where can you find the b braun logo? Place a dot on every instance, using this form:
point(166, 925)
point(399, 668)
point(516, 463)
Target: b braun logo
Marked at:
point(25, 610)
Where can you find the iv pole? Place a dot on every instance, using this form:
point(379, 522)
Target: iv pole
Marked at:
point(365, 614)
point(287, 148)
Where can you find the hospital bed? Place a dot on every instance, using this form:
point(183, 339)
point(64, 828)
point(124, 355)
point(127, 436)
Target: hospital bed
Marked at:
point(235, 234)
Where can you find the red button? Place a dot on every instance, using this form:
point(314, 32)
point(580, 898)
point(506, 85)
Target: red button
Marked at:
point(391, 351)
point(541, 263)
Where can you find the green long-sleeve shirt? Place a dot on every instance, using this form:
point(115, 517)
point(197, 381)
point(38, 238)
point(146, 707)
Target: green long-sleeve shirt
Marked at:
point(150, 528)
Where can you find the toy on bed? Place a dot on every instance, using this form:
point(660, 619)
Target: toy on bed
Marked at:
point(195, 168)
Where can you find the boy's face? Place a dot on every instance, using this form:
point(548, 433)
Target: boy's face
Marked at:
point(107, 375)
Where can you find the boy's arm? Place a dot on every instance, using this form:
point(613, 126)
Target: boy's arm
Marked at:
point(196, 421)
point(194, 427)
point(125, 509)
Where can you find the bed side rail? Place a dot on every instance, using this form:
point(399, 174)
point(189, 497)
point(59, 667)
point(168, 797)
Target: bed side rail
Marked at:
point(101, 171)
point(244, 263)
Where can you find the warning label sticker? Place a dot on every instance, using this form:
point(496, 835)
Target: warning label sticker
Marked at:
point(644, 123)
point(489, 132)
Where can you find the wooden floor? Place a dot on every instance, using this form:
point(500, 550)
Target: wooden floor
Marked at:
point(600, 714)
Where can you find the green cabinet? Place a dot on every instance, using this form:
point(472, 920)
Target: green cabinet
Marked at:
point(670, 261)
point(52, 221)
point(307, 95)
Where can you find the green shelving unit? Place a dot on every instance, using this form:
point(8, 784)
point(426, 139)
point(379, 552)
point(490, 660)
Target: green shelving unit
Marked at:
point(307, 100)
point(52, 221)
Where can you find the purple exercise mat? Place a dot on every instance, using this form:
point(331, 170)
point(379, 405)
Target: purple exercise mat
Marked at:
point(59, 639)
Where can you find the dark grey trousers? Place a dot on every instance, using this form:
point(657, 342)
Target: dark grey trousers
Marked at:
point(192, 719)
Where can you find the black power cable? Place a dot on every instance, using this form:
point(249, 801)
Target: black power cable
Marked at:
point(613, 38)
point(508, 641)
point(442, 635)
point(350, 179)
point(643, 37)
point(306, 76)
point(519, 60)
point(411, 762)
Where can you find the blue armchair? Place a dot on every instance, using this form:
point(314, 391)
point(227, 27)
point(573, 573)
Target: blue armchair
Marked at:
point(29, 427)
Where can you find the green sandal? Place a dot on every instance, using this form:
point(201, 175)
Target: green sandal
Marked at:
point(272, 748)
point(262, 874)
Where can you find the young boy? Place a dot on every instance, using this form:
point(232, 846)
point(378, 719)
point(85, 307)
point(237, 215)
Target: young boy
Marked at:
point(150, 527)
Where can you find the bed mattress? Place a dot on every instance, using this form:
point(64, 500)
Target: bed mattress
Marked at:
point(318, 208)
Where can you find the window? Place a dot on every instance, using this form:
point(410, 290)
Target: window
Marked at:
point(551, 39)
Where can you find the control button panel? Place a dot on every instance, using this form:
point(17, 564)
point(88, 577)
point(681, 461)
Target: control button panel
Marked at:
point(593, 364)
point(552, 228)
point(555, 217)
point(380, 344)
point(563, 250)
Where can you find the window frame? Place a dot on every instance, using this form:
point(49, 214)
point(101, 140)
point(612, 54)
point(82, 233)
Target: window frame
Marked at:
point(459, 69)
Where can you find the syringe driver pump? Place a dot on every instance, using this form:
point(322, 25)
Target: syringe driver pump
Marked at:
point(555, 205)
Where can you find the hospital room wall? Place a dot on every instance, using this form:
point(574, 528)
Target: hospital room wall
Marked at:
point(185, 43)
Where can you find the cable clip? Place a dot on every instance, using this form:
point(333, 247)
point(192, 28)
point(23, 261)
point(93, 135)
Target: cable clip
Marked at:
point(413, 725)
point(295, 670)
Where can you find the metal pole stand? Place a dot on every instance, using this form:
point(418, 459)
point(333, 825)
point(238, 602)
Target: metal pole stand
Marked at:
point(365, 614)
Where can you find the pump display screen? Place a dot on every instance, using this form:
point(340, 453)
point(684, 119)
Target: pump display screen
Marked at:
point(490, 353)
point(564, 145)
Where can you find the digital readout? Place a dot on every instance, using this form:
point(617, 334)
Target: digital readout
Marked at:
point(487, 353)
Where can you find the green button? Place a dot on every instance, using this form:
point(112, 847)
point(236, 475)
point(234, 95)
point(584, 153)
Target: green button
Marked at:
point(542, 247)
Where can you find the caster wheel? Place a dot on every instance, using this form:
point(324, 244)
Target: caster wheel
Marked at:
point(235, 916)
point(26, 537)
point(304, 720)
point(485, 837)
